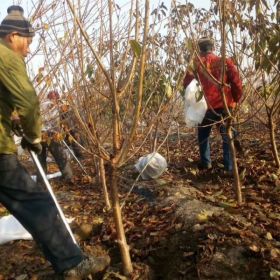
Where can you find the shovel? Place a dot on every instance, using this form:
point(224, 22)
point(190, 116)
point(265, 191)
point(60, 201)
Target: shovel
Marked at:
point(47, 184)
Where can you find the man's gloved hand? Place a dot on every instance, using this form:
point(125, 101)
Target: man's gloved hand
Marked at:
point(37, 148)
point(16, 127)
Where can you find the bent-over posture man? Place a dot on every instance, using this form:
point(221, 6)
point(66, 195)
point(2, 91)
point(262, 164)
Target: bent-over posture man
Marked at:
point(51, 142)
point(26, 200)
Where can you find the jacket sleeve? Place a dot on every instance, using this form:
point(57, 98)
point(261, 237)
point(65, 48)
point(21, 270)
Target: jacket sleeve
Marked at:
point(188, 78)
point(234, 80)
point(22, 96)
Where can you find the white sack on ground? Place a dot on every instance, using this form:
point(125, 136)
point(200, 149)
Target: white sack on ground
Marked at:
point(151, 166)
point(11, 229)
point(194, 111)
point(49, 176)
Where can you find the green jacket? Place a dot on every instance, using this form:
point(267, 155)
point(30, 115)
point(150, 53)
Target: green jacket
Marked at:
point(16, 93)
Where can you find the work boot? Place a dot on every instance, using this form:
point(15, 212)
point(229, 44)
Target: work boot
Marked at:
point(227, 173)
point(90, 265)
point(203, 166)
point(66, 179)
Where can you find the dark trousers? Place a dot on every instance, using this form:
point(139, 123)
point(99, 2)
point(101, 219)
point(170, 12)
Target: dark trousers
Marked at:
point(33, 206)
point(213, 118)
point(58, 152)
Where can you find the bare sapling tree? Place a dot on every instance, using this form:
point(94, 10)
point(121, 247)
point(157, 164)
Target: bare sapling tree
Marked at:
point(267, 62)
point(120, 145)
point(229, 115)
point(262, 59)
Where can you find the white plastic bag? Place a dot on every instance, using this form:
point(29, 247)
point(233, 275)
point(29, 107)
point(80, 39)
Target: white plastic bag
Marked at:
point(194, 111)
point(151, 166)
point(49, 176)
point(11, 229)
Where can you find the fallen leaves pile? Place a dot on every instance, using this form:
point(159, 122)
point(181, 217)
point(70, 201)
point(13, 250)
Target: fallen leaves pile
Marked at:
point(156, 237)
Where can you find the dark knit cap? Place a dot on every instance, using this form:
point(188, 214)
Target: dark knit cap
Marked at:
point(16, 22)
point(205, 44)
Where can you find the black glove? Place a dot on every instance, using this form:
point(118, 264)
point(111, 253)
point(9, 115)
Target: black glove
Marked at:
point(37, 148)
point(16, 127)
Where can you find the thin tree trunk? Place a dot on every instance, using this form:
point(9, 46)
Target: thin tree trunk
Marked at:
point(178, 136)
point(154, 140)
point(237, 184)
point(167, 150)
point(273, 140)
point(123, 246)
point(102, 179)
point(115, 101)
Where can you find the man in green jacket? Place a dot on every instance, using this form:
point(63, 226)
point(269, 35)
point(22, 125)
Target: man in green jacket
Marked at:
point(29, 202)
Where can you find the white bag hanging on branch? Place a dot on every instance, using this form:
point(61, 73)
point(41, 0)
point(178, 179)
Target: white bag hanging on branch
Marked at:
point(195, 105)
point(151, 166)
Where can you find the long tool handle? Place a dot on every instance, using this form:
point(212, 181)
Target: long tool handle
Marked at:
point(47, 184)
point(74, 156)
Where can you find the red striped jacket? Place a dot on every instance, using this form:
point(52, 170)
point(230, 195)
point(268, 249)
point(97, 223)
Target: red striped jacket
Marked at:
point(213, 64)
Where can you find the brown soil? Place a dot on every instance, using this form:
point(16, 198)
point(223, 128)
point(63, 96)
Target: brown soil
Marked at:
point(241, 243)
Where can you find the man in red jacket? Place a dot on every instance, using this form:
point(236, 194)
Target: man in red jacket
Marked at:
point(208, 71)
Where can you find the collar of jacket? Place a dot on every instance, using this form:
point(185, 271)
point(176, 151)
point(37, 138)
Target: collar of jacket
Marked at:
point(206, 54)
point(5, 44)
